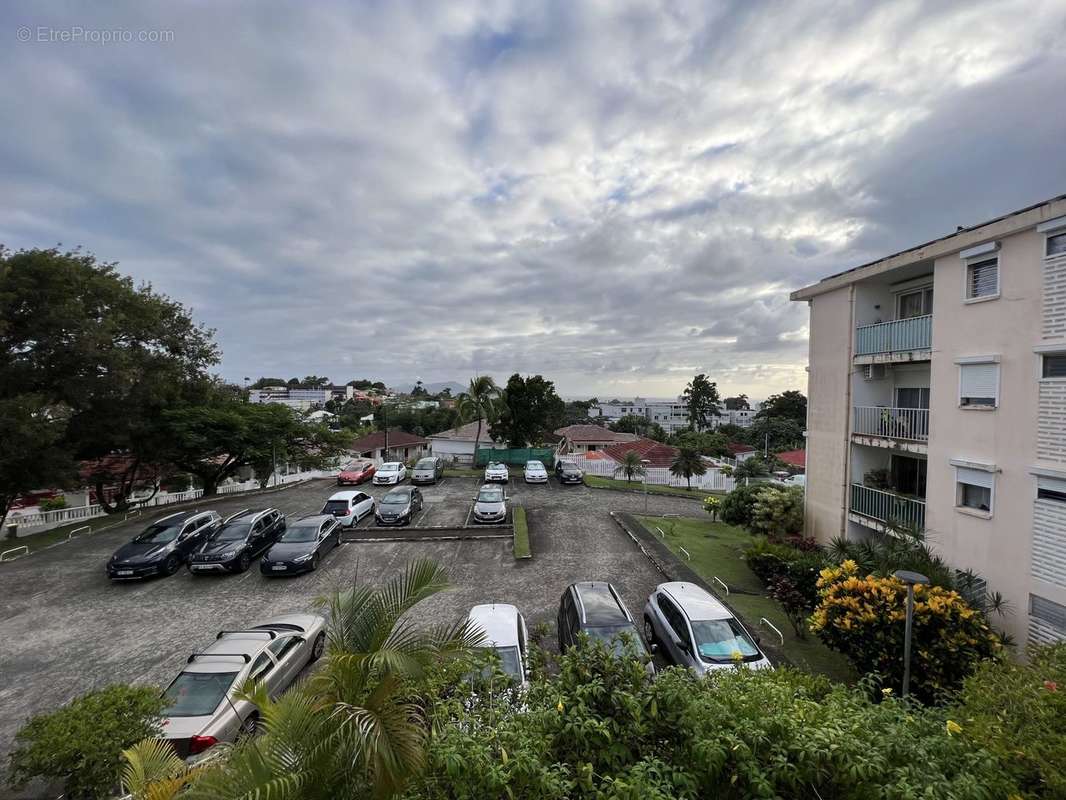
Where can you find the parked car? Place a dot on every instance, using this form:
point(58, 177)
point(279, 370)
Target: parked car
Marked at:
point(694, 629)
point(796, 480)
point(595, 609)
point(242, 537)
point(495, 472)
point(389, 473)
point(355, 473)
point(163, 546)
point(569, 472)
point(349, 507)
point(205, 706)
point(428, 470)
point(505, 632)
point(398, 506)
point(535, 472)
point(490, 505)
point(302, 546)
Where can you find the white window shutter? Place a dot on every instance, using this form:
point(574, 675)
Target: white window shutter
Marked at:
point(975, 477)
point(983, 278)
point(1052, 484)
point(979, 380)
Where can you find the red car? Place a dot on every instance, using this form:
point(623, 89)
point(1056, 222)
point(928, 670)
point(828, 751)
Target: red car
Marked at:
point(356, 473)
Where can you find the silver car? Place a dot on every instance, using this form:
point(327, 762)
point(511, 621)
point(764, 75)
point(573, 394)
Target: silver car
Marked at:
point(535, 472)
point(694, 629)
point(428, 470)
point(490, 505)
point(203, 707)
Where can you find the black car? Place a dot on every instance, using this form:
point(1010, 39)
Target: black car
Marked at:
point(302, 546)
point(241, 538)
point(595, 609)
point(568, 472)
point(398, 506)
point(163, 546)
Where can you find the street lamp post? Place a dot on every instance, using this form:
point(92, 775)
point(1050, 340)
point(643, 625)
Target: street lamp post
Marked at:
point(911, 579)
point(645, 463)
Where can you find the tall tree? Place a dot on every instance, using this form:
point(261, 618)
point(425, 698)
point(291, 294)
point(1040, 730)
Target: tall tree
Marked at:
point(478, 402)
point(32, 454)
point(687, 463)
point(530, 410)
point(738, 403)
point(788, 405)
point(97, 355)
point(701, 399)
point(641, 426)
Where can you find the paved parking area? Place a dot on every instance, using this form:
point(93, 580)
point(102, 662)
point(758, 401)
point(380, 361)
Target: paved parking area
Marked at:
point(65, 629)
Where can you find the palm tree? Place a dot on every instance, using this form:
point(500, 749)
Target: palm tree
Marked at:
point(631, 466)
point(479, 400)
point(353, 729)
point(687, 463)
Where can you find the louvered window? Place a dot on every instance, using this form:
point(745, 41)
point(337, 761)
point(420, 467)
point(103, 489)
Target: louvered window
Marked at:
point(1056, 245)
point(978, 384)
point(982, 278)
point(1054, 365)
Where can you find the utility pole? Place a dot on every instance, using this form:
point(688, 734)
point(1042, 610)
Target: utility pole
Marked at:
point(385, 416)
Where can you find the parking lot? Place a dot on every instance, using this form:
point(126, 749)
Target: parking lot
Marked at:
point(65, 629)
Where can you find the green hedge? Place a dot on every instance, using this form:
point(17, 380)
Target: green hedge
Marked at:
point(521, 534)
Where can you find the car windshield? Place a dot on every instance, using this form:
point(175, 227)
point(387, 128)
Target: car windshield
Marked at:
point(721, 640)
point(510, 661)
point(534, 465)
point(301, 533)
point(612, 636)
point(160, 533)
point(197, 694)
point(397, 499)
point(391, 467)
point(490, 494)
point(425, 463)
point(234, 532)
point(353, 467)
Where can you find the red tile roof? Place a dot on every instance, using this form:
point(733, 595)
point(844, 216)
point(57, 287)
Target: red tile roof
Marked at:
point(659, 454)
point(736, 448)
point(376, 440)
point(593, 433)
point(794, 458)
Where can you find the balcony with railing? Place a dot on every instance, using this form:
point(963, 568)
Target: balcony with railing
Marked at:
point(887, 508)
point(885, 422)
point(902, 336)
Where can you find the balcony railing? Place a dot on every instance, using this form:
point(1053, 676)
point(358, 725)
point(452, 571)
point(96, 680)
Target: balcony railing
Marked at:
point(909, 424)
point(887, 507)
point(914, 333)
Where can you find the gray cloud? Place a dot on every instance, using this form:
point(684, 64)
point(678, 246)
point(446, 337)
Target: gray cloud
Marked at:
point(616, 196)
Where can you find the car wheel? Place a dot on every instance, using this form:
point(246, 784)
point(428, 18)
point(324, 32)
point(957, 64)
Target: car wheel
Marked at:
point(172, 564)
point(249, 728)
point(649, 632)
point(314, 562)
point(244, 561)
point(319, 647)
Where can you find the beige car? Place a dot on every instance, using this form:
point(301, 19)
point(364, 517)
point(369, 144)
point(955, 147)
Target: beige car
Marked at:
point(204, 708)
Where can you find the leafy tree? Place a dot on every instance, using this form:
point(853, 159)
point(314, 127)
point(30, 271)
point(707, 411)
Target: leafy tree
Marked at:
point(262, 383)
point(81, 744)
point(701, 398)
point(631, 466)
point(708, 443)
point(31, 448)
point(738, 403)
point(753, 467)
point(478, 402)
point(576, 412)
point(96, 353)
point(530, 409)
point(314, 382)
point(687, 463)
point(787, 405)
point(780, 433)
point(738, 507)
point(214, 440)
point(778, 512)
point(419, 390)
point(641, 426)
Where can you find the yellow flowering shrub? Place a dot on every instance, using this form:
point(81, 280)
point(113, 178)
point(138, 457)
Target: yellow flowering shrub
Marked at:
point(864, 617)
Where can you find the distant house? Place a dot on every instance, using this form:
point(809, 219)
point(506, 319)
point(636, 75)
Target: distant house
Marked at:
point(796, 459)
point(457, 445)
point(655, 453)
point(401, 446)
point(741, 452)
point(581, 439)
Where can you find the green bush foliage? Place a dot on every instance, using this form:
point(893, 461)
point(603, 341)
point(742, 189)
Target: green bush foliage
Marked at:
point(739, 505)
point(81, 744)
point(53, 503)
point(778, 511)
point(774, 562)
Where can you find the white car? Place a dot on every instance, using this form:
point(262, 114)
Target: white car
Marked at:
point(203, 703)
point(796, 480)
point(496, 473)
point(694, 629)
point(390, 473)
point(505, 632)
point(349, 507)
point(535, 472)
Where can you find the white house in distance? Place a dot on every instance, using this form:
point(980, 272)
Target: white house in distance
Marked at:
point(400, 446)
point(456, 446)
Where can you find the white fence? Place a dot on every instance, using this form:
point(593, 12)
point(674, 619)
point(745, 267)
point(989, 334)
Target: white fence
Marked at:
point(711, 481)
point(38, 521)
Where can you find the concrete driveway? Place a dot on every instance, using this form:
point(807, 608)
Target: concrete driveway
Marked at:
point(65, 629)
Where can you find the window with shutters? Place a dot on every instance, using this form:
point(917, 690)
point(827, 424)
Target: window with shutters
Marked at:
point(1053, 365)
point(1055, 245)
point(974, 489)
point(979, 385)
point(982, 278)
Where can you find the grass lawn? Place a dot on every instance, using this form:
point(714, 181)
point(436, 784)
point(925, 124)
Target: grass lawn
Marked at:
point(716, 550)
point(521, 534)
point(38, 541)
point(596, 482)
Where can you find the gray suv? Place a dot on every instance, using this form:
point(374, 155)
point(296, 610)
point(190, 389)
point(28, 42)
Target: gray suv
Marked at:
point(428, 470)
point(595, 609)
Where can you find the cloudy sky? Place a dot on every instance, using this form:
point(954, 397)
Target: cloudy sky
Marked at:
point(615, 194)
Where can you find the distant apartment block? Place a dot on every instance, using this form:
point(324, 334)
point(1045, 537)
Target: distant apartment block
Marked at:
point(303, 399)
point(671, 415)
point(937, 399)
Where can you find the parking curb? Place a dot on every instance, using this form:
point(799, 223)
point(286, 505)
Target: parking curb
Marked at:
point(655, 494)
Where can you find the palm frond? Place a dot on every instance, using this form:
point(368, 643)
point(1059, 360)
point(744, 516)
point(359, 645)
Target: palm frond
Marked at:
point(152, 762)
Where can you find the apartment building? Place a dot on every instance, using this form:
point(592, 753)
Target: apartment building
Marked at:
point(671, 415)
point(937, 399)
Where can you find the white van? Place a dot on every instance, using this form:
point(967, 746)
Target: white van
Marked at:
point(349, 507)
